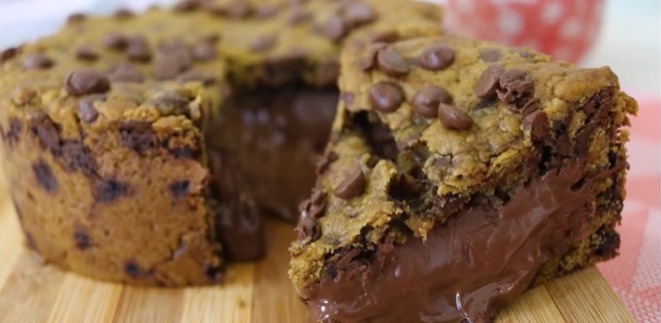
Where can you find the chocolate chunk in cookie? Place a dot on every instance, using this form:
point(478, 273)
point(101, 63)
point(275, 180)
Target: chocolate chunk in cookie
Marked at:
point(44, 175)
point(86, 81)
point(386, 96)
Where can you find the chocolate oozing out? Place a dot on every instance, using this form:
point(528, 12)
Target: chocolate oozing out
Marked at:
point(179, 189)
point(289, 127)
point(310, 210)
point(238, 222)
point(353, 185)
point(427, 100)
point(486, 85)
point(453, 118)
point(138, 136)
point(44, 175)
point(436, 57)
point(126, 72)
point(469, 266)
point(86, 81)
point(386, 96)
point(110, 190)
point(392, 63)
point(37, 61)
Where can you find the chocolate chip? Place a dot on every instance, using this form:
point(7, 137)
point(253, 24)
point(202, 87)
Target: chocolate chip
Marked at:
point(12, 134)
point(86, 81)
point(537, 123)
point(8, 54)
point(86, 53)
point(123, 13)
point(514, 84)
point(490, 55)
point(263, 43)
point(358, 13)
point(426, 102)
point(486, 85)
point(110, 190)
point(170, 103)
point(196, 76)
point(179, 189)
point(436, 57)
point(138, 136)
point(186, 6)
point(298, 16)
point(386, 96)
point(48, 134)
point(367, 57)
point(114, 41)
point(172, 60)
point(132, 269)
point(126, 72)
point(388, 36)
point(311, 209)
point(334, 28)
point(266, 11)
point(137, 49)
point(75, 18)
point(37, 61)
point(77, 157)
point(86, 110)
point(352, 186)
point(391, 63)
point(212, 38)
point(238, 9)
point(453, 118)
point(81, 239)
point(44, 176)
point(204, 50)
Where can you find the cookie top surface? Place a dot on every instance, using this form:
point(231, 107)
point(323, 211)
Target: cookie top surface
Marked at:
point(425, 125)
point(214, 44)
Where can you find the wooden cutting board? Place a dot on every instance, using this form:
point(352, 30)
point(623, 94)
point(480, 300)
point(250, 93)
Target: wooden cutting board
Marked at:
point(31, 291)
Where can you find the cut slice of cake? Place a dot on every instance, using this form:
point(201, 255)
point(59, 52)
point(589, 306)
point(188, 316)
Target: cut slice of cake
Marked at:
point(131, 147)
point(459, 174)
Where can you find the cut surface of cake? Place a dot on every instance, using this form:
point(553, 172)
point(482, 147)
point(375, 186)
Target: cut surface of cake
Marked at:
point(132, 145)
point(459, 173)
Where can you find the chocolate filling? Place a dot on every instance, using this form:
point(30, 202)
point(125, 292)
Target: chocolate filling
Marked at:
point(263, 147)
point(478, 260)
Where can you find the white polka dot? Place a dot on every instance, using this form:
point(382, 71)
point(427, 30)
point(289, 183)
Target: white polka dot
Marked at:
point(509, 22)
point(552, 13)
point(571, 29)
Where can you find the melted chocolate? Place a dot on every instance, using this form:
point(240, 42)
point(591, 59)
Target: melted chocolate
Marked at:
point(276, 136)
point(477, 261)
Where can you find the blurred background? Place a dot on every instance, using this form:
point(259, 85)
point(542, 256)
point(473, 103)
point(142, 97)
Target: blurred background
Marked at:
point(627, 37)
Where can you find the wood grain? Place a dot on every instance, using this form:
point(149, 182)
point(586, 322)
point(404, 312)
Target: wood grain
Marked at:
point(31, 291)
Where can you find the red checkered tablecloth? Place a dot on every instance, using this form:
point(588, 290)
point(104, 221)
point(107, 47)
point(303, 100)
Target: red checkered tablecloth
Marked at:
point(634, 275)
